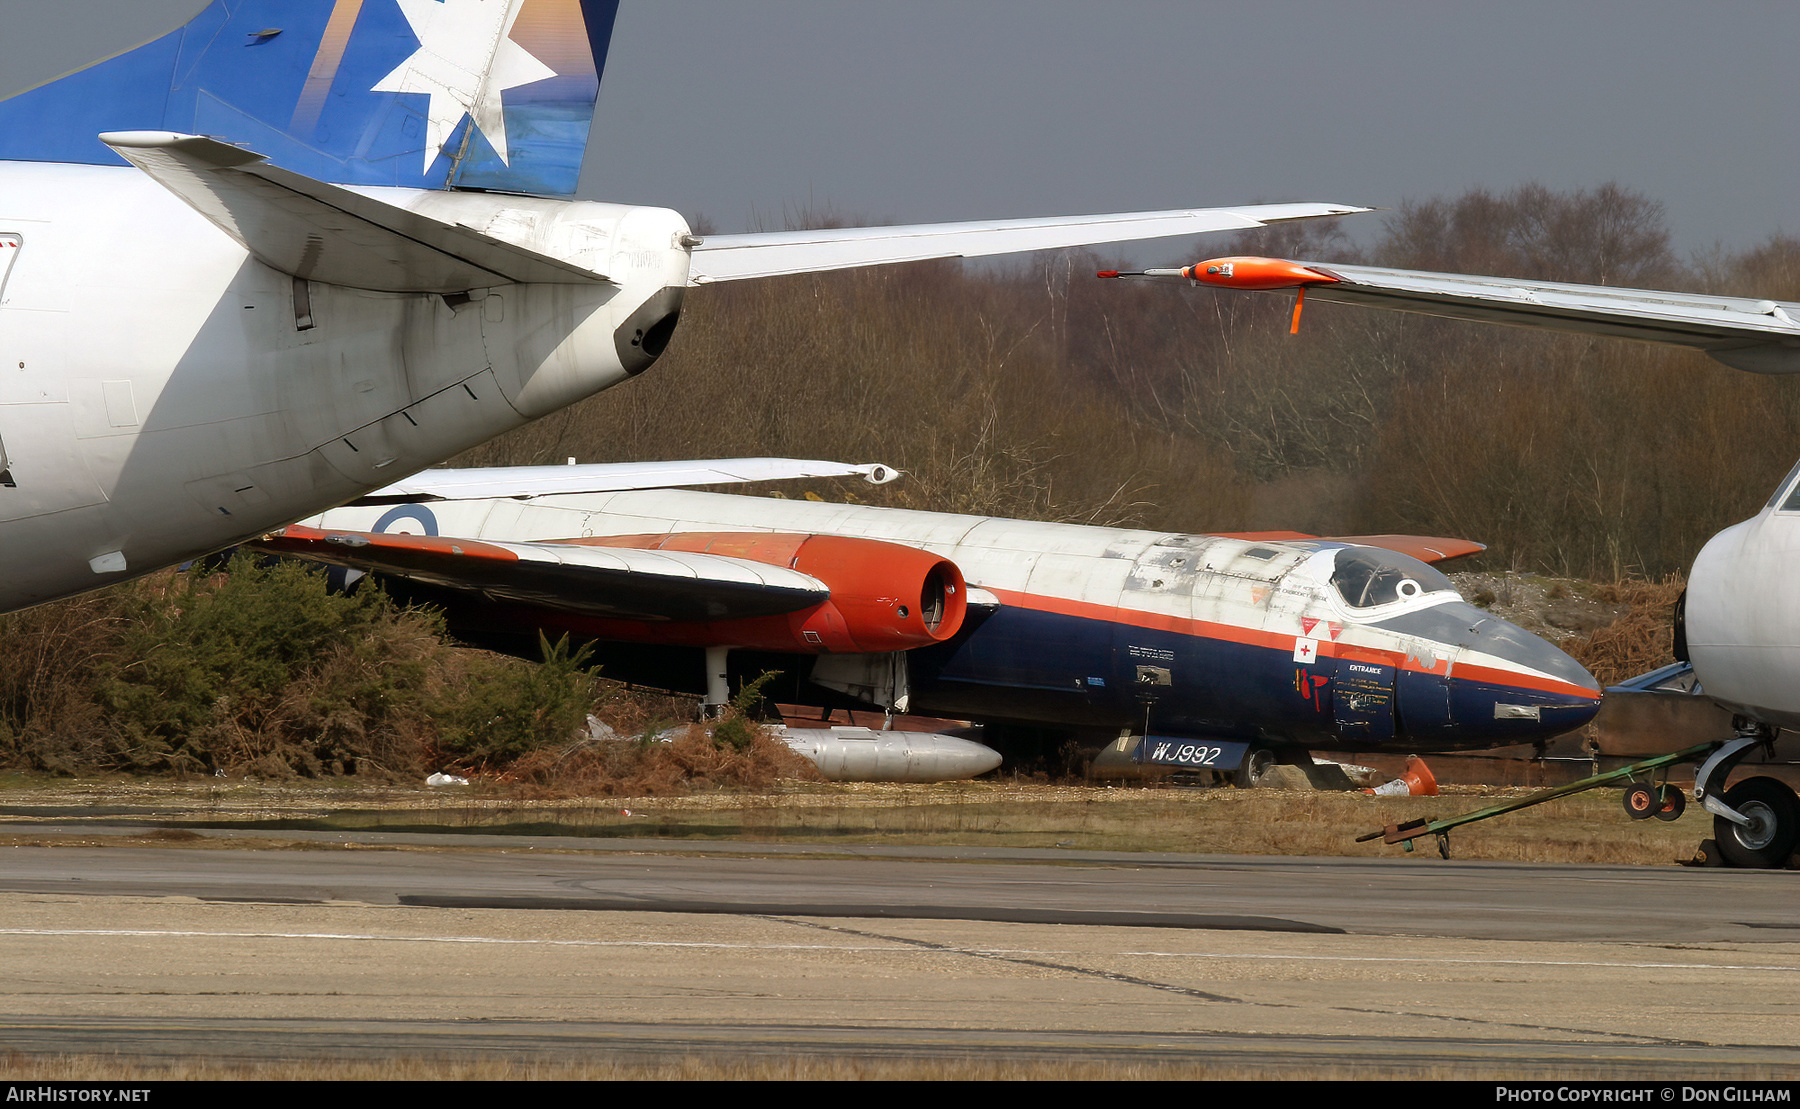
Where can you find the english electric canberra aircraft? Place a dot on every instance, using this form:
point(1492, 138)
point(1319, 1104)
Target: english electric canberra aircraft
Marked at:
point(1739, 623)
point(284, 255)
point(1228, 652)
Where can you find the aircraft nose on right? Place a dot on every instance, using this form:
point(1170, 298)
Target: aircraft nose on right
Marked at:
point(1511, 684)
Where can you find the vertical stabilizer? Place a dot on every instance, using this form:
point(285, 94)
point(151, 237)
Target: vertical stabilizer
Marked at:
point(495, 94)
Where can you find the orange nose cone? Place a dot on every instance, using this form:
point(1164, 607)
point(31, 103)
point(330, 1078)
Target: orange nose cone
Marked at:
point(1255, 273)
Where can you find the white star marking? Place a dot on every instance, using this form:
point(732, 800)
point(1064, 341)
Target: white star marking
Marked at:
point(464, 62)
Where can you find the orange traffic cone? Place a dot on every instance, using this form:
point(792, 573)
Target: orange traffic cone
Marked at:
point(1416, 781)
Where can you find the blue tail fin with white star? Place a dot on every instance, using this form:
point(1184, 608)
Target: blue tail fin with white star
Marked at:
point(493, 94)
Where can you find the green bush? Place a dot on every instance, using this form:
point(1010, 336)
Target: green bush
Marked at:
point(263, 667)
point(501, 708)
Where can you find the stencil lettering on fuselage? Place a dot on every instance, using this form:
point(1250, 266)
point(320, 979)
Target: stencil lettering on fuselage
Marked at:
point(1363, 699)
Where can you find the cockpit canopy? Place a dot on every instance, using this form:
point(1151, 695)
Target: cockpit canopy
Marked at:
point(1368, 576)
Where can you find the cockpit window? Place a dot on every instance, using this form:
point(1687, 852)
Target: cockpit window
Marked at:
point(1367, 577)
point(1792, 504)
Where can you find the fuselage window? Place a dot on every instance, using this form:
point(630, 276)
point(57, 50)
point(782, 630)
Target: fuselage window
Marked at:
point(1792, 488)
point(10, 244)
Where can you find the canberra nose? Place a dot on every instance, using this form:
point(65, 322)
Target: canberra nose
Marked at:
point(1503, 684)
point(1521, 685)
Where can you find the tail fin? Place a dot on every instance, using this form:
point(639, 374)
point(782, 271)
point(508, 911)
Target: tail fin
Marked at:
point(493, 94)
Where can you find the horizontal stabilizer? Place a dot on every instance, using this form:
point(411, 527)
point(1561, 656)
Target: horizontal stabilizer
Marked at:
point(324, 233)
point(610, 477)
point(733, 257)
point(1425, 548)
point(610, 582)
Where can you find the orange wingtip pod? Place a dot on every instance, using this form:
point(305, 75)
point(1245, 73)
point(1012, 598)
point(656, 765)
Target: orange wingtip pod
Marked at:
point(1255, 273)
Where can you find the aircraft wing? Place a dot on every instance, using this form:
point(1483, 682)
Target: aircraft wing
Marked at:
point(1758, 335)
point(734, 257)
point(1762, 336)
point(523, 482)
point(324, 233)
point(621, 583)
point(1425, 548)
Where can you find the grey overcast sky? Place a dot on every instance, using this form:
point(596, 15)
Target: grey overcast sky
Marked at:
point(746, 111)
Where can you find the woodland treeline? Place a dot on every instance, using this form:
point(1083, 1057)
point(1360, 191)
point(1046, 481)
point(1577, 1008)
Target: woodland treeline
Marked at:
point(1039, 391)
point(1033, 391)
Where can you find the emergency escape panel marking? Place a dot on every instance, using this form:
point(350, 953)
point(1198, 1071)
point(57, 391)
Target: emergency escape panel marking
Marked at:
point(1363, 696)
point(1308, 623)
point(1311, 688)
point(1305, 649)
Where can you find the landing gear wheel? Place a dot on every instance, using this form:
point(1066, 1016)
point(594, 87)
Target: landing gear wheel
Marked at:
point(1774, 829)
point(1640, 801)
point(1258, 761)
point(1673, 803)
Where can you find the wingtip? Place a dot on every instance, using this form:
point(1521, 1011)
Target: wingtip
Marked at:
point(221, 154)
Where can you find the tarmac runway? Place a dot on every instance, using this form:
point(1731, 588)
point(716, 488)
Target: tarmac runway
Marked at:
point(374, 945)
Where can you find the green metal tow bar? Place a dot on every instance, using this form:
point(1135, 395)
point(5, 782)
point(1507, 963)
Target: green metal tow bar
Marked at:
point(1404, 834)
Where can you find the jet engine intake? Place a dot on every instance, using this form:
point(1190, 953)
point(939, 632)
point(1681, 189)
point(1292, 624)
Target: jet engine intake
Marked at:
point(883, 596)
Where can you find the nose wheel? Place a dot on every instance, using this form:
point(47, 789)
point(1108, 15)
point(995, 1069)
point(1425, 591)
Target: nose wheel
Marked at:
point(1772, 830)
point(1756, 823)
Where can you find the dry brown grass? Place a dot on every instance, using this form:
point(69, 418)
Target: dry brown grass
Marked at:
point(1588, 828)
point(1640, 640)
point(649, 768)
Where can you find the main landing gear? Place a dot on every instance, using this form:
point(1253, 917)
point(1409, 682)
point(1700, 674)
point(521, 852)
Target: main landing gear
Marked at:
point(1258, 762)
point(1258, 765)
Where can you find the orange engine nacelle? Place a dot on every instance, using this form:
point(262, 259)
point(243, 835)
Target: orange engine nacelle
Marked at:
point(884, 596)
